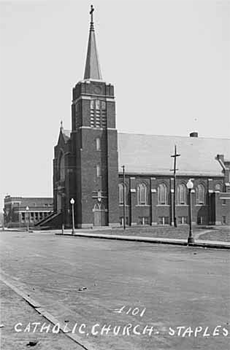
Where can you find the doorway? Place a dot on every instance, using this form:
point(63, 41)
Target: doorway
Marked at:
point(100, 215)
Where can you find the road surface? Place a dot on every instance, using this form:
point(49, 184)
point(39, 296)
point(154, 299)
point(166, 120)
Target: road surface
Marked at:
point(121, 295)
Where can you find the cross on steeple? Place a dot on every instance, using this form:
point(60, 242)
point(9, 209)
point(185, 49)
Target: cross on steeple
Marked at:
point(91, 12)
point(92, 67)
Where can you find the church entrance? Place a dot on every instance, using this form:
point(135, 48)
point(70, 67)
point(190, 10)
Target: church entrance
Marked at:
point(100, 215)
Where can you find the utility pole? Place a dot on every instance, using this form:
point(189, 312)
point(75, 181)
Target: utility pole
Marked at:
point(175, 155)
point(124, 198)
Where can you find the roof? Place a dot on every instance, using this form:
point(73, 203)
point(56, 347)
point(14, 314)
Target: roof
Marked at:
point(151, 154)
point(66, 134)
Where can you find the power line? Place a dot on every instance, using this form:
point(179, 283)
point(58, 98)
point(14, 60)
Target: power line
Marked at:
point(175, 155)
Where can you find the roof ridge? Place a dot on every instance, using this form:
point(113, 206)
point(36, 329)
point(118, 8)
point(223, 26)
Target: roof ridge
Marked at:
point(171, 136)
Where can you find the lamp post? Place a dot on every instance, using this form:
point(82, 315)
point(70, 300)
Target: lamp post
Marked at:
point(124, 199)
point(27, 215)
point(19, 217)
point(72, 201)
point(62, 214)
point(190, 187)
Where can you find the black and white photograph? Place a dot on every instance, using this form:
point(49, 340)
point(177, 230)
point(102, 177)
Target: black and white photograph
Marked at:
point(115, 174)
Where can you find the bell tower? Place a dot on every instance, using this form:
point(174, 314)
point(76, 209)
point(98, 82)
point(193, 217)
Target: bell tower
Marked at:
point(94, 142)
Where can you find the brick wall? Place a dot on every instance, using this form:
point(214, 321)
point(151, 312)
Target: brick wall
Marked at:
point(211, 211)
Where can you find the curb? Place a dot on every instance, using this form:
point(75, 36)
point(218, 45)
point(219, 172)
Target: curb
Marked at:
point(150, 240)
point(210, 245)
point(80, 343)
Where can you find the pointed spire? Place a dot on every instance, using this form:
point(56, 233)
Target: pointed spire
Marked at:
point(61, 126)
point(92, 67)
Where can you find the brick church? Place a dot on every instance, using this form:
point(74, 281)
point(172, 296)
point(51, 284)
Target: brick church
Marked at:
point(115, 176)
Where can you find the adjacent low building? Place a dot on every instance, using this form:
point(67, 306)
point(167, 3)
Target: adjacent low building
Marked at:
point(26, 211)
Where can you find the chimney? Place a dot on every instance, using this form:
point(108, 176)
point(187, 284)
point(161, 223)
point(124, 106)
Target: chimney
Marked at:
point(220, 157)
point(193, 134)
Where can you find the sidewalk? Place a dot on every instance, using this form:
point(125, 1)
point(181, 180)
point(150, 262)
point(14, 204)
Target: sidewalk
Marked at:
point(98, 234)
point(24, 327)
point(172, 241)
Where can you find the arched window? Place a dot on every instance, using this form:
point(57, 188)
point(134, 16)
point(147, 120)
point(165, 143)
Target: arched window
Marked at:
point(121, 194)
point(98, 102)
point(181, 194)
point(162, 194)
point(98, 144)
point(200, 194)
point(62, 167)
point(98, 170)
point(92, 103)
point(142, 194)
point(217, 187)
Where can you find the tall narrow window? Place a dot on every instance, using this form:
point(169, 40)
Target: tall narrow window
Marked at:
point(103, 114)
point(92, 114)
point(92, 104)
point(121, 194)
point(62, 167)
point(181, 194)
point(98, 170)
point(200, 194)
point(162, 194)
point(97, 104)
point(98, 113)
point(98, 144)
point(77, 119)
point(142, 194)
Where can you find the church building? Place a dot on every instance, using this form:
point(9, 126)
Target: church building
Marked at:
point(114, 176)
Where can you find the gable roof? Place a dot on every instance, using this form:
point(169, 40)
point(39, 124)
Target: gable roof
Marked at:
point(151, 154)
point(66, 134)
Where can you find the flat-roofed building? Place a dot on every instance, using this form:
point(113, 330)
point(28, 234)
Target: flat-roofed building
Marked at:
point(24, 211)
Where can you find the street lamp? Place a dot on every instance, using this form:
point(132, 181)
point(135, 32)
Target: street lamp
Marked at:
point(62, 213)
point(190, 187)
point(27, 215)
point(124, 199)
point(72, 201)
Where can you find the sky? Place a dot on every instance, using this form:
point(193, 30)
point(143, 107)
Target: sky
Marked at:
point(169, 61)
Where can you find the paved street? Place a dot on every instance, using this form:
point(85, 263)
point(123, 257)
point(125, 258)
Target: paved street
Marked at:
point(120, 295)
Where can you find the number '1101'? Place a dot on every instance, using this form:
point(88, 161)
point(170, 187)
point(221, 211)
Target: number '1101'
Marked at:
point(131, 311)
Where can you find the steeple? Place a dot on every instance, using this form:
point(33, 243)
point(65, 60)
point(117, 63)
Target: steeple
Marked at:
point(92, 67)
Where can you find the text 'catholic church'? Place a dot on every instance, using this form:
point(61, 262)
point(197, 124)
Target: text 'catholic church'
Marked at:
point(88, 163)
